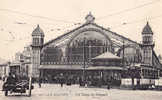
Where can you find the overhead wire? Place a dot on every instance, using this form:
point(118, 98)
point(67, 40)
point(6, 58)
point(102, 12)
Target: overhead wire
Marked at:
point(127, 10)
point(136, 21)
point(36, 16)
point(58, 29)
point(27, 37)
point(24, 23)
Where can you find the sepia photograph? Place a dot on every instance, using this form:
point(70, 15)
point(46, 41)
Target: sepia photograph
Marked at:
point(80, 50)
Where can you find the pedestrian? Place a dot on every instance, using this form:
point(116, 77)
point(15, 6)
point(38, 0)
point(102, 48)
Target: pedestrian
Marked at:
point(108, 83)
point(61, 79)
point(80, 81)
point(39, 82)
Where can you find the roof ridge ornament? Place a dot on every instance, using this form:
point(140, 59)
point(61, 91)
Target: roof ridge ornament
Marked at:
point(147, 29)
point(89, 18)
point(38, 31)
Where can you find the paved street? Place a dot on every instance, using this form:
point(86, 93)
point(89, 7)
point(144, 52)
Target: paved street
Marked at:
point(74, 92)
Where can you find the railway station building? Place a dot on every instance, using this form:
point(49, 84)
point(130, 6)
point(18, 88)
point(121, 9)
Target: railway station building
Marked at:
point(91, 51)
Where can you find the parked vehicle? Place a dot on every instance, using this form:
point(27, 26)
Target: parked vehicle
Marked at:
point(20, 86)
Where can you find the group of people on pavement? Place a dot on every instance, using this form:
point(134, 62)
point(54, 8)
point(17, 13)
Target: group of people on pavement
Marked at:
point(68, 81)
point(60, 79)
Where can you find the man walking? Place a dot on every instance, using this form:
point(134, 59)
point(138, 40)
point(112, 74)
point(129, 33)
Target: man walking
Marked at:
point(40, 82)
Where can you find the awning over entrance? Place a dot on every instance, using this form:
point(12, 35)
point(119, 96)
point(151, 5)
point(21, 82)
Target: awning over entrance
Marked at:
point(104, 68)
point(62, 67)
point(79, 67)
point(107, 55)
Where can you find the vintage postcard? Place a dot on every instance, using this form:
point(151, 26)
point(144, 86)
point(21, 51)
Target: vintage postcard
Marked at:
point(80, 49)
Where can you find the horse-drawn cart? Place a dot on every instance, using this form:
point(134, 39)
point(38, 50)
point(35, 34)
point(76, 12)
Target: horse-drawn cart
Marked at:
point(21, 86)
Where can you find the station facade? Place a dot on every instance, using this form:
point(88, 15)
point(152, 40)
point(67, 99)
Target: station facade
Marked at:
point(92, 51)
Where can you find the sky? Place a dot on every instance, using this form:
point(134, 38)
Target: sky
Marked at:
point(18, 18)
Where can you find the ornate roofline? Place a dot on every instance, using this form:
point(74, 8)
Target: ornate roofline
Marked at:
point(59, 37)
point(115, 33)
point(50, 41)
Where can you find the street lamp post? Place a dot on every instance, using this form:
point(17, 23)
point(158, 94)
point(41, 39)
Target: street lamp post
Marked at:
point(84, 60)
point(123, 55)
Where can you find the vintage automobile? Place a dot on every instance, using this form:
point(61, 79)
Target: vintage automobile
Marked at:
point(21, 86)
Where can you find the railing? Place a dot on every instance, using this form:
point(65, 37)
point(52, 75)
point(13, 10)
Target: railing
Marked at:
point(64, 63)
point(147, 43)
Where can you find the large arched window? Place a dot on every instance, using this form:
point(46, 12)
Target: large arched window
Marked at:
point(90, 44)
point(51, 54)
point(131, 55)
